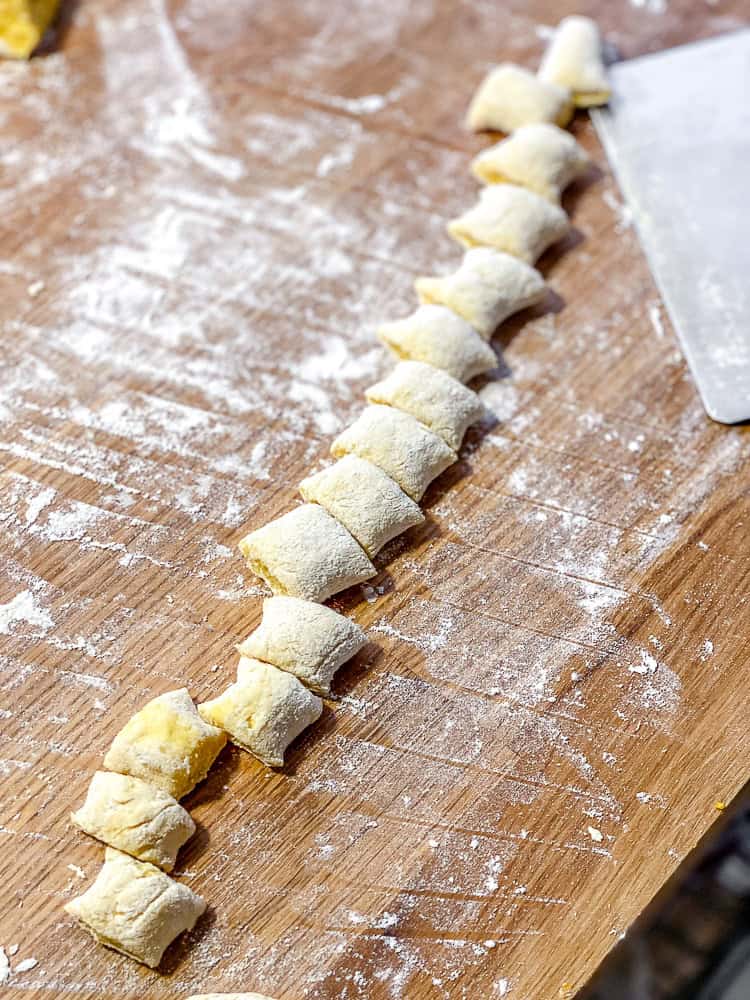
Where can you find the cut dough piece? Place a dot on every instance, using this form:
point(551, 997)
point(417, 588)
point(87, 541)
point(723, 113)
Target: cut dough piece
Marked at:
point(135, 908)
point(435, 398)
point(306, 639)
point(22, 25)
point(513, 220)
point(510, 96)
point(133, 816)
point(574, 60)
point(306, 553)
point(167, 744)
point(487, 288)
point(442, 338)
point(398, 444)
point(541, 157)
point(366, 501)
point(264, 710)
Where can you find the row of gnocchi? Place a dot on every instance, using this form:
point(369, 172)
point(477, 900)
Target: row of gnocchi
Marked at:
point(168, 747)
point(409, 432)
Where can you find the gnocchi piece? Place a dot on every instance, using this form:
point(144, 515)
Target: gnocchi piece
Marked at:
point(441, 338)
point(435, 398)
point(486, 289)
point(366, 501)
point(513, 220)
point(510, 96)
point(264, 710)
point(306, 639)
point(574, 60)
point(133, 816)
point(135, 908)
point(167, 744)
point(540, 157)
point(306, 553)
point(398, 444)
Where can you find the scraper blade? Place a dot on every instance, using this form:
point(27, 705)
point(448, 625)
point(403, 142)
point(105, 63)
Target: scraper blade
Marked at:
point(677, 134)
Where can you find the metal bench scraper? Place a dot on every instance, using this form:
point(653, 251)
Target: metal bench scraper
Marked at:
point(677, 134)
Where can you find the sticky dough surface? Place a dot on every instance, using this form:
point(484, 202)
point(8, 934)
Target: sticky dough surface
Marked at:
point(404, 449)
point(437, 336)
point(306, 553)
point(541, 157)
point(135, 908)
point(487, 288)
point(510, 96)
point(167, 744)
point(435, 398)
point(306, 639)
point(135, 817)
point(574, 60)
point(513, 220)
point(264, 710)
point(367, 502)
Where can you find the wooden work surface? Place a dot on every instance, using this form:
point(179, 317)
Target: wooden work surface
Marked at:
point(206, 209)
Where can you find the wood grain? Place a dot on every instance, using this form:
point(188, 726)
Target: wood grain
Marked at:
point(206, 210)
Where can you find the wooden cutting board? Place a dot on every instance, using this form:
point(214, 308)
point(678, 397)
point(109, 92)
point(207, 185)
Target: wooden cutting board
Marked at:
point(206, 210)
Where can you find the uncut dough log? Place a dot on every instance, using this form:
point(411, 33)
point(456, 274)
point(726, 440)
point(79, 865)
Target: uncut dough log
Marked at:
point(574, 60)
point(513, 220)
point(306, 639)
point(510, 96)
point(487, 288)
point(136, 818)
point(433, 397)
point(440, 337)
point(306, 553)
point(404, 449)
point(135, 908)
point(264, 710)
point(370, 505)
point(167, 744)
point(541, 157)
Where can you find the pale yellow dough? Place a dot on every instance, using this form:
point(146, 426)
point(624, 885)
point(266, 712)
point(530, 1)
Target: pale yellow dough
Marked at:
point(488, 287)
point(437, 336)
point(510, 96)
point(135, 908)
point(264, 710)
point(167, 744)
point(433, 397)
point(133, 816)
point(513, 220)
point(306, 639)
point(541, 157)
point(574, 60)
point(306, 553)
point(404, 449)
point(366, 501)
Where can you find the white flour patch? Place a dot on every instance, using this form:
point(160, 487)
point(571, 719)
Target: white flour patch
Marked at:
point(37, 504)
point(650, 6)
point(646, 665)
point(654, 314)
point(623, 213)
point(4, 966)
point(501, 398)
point(26, 965)
point(24, 608)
